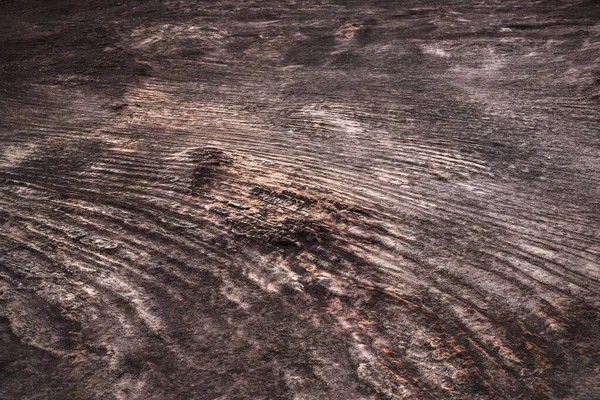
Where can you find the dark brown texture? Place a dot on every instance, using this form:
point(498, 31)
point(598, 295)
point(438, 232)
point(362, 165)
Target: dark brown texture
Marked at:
point(299, 200)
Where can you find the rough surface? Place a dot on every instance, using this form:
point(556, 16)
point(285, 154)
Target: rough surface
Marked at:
point(299, 199)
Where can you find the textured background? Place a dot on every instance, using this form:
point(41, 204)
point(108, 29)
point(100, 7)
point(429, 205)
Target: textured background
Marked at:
point(299, 199)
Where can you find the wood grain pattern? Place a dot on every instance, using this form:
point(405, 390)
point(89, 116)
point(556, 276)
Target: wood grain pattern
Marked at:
point(299, 200)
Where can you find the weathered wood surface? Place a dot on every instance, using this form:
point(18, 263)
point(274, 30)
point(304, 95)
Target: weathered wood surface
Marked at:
point(299, 199)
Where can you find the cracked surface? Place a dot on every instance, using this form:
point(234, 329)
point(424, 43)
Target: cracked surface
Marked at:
point(299, 200)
